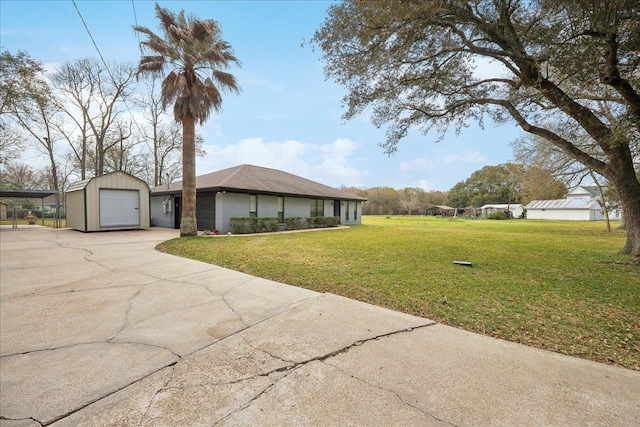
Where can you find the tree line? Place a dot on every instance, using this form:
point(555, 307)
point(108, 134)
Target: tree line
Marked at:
point(87, 118)
point(499, 184)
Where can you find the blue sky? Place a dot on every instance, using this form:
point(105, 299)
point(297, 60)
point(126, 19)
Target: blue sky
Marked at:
point(287, 116)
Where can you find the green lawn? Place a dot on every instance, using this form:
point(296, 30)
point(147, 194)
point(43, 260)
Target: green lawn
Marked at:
point(555, 285)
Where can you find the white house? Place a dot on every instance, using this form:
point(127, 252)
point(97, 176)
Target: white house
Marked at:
point(516, 209)
point(246, 191)
point(581, 204)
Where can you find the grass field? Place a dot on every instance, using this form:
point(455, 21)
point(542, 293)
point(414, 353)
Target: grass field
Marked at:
point(555, 285)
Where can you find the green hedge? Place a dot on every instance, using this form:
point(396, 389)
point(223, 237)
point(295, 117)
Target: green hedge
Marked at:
point(293, 223)
point(323, 221)
point(244, 225)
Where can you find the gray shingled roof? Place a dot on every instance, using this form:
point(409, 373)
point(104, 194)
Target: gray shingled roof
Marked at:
point(249, 178)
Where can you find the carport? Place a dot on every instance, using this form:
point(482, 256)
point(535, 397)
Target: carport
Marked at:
point(32, 194)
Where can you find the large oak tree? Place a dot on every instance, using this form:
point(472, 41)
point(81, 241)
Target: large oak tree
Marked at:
point(192, 54)
point(543, 64)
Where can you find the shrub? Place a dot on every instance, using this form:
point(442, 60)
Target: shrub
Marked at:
point(293, 223)
point(497, 215)
point(323, 221)
point(244, 225)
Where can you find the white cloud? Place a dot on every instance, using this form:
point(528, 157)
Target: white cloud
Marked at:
point(421, 163)
point(330, 164)
point(335, 159)
point(468, 157)
point(425, 185)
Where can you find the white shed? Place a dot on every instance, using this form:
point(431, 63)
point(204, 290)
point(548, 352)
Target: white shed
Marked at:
point(565, 209)
point(114, 201)
point(516, 209)
point(581, 204)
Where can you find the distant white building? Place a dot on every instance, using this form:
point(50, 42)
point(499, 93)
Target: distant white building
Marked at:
point(581, 204)
point(516, 209)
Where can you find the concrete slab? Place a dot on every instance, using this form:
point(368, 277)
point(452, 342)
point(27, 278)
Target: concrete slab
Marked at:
point(470, 379)
point(319, 394)
point(324, 325)
point(48, 385)
point(110, 332)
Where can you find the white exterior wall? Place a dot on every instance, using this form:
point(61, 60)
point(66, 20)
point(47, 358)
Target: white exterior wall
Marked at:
point(75, 210)
point(268, 206)
point(231, 205)
point(297, 207)
point(517, 211)
point(559, 214)
point(328, 207)
point(615, 214)
point(159, 217)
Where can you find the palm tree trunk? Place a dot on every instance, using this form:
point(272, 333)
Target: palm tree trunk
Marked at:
point(188, 224)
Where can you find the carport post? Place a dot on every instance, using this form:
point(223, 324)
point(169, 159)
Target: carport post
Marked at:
point(42, 202)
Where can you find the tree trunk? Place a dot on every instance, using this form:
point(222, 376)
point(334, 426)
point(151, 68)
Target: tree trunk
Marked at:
point(628, 187)
point(188, 224)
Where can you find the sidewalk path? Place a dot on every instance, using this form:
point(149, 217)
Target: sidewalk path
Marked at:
point(100, 329)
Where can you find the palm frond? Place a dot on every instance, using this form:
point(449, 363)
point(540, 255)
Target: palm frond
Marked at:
point(193, 50)
point(205, 31)
point(227, 81)
point(213, 94)
point(151, 65)
point(170, 89)
point(165, 16)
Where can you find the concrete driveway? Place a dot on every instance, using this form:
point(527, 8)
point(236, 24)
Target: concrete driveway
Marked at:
point(100, 329)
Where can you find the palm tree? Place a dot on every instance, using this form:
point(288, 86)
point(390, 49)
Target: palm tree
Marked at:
point(190, 49)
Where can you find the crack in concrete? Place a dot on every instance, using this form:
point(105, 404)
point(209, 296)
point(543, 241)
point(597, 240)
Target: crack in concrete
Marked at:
point(173, 278)
point(100, 288)
point(39, 350)
point(2, 417)
point(153, 398)
point(259, 395)
point(73, 411)
point(126, 314)
point(396, 394)
point(296, 365)
point(233, 310)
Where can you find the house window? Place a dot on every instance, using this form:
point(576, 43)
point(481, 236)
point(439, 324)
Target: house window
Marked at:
point(355, 211)
point(317, 207)
point(253, 205)
point(281, 210)
point(346, 212)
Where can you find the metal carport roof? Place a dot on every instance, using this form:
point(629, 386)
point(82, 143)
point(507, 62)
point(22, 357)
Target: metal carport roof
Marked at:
point(28, 194)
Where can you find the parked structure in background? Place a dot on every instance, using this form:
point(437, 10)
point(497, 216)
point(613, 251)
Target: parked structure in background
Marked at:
point(581, 204)
point(516, 210)
point(440, 210)
point(253, 191)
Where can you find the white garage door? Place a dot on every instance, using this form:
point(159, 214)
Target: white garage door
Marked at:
point(119, 208)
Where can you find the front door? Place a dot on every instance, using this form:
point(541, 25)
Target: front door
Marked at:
point(177, 212)
point(336, 208)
